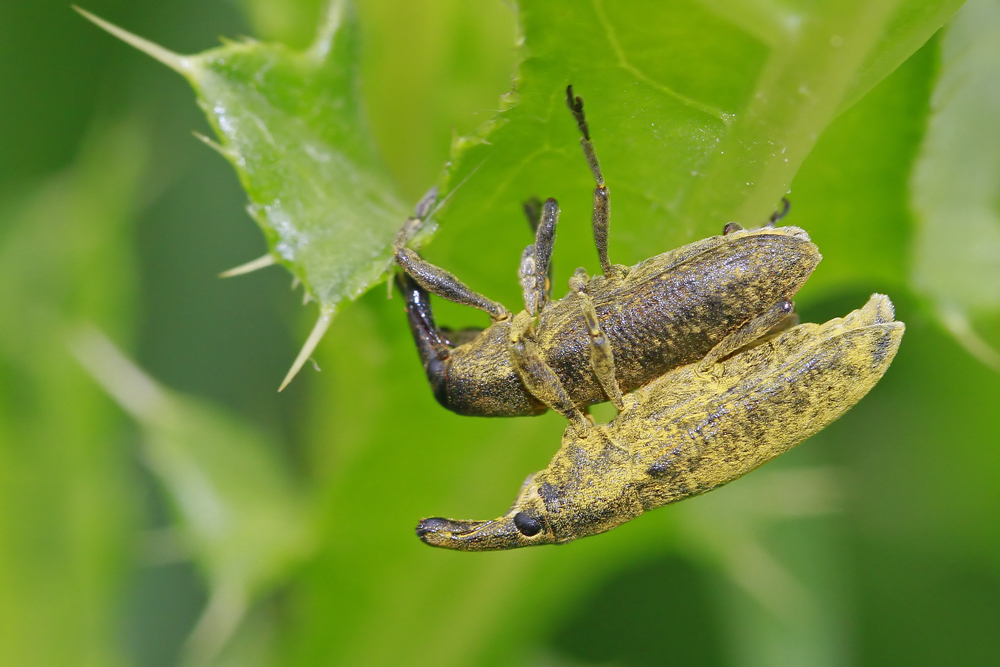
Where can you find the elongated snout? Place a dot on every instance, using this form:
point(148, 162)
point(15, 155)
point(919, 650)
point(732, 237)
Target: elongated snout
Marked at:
point(518, 529)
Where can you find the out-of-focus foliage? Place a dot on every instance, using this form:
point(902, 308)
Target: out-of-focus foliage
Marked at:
point(956, 184)
point(237, 513)
point(66, 501)
point(875, 543)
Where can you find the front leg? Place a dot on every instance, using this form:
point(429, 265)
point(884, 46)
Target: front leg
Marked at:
point(602, 359)
point(438, 281)
point(538, 377)
point(433, 344)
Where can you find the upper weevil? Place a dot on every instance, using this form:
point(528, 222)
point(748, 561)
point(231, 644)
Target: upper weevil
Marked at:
point(689, 432)
point(612, 333)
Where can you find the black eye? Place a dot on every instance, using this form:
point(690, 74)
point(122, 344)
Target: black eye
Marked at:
point(527, 524)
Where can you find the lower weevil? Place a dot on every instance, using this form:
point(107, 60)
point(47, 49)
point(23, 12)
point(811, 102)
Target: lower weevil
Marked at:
point(689, 432)
point(612, 333)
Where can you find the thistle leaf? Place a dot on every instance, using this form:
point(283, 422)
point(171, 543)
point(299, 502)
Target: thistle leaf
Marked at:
point(291, 124)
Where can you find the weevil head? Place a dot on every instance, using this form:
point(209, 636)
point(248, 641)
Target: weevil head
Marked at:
point(525, 525)
point(522, 529)
point(587, 489)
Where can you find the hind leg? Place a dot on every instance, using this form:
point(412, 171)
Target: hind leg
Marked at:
point(602, 204)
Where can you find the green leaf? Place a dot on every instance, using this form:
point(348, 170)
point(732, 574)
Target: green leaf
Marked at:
point(699, 116)
point(66, 503)
point(955, 188)
point(291, 124)
point(910, 26)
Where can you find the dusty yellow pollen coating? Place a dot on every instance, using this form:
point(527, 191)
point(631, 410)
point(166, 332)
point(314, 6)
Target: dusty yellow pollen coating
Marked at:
point(691, 431)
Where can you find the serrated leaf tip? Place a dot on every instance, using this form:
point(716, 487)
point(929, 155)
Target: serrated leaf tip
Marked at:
point(215, 146)
point(326, 314)
point(178, 63)
point(251, 266)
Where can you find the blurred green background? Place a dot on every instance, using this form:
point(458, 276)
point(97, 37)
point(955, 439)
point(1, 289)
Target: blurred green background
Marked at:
point(205, 519)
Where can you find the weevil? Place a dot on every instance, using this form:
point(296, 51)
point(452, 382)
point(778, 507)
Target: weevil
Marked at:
point(689, 432)
point(612, 333)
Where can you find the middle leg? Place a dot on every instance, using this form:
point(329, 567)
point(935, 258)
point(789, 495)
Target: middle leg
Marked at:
point(602, 360)
point(538, 377)
point(775, 218)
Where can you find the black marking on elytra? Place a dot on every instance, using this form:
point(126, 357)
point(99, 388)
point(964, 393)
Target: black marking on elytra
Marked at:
point(882, 347)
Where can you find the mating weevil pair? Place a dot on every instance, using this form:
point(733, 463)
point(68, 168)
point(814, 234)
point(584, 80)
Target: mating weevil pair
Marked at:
point(689, 432)
point(665, 341)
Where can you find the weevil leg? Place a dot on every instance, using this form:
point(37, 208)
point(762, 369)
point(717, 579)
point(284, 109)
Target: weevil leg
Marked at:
point(456, 337)
point(778, 216)
point(602, 205)
point(432, 278)
point(433, 348)
point(527, 270)
point(602, 359)
point(426, 334)
point(438, 281)
point(535, 269)
point(533, 212)
point(754, 329)
point(429, 339)
point(775, 217)
point(538, 376)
